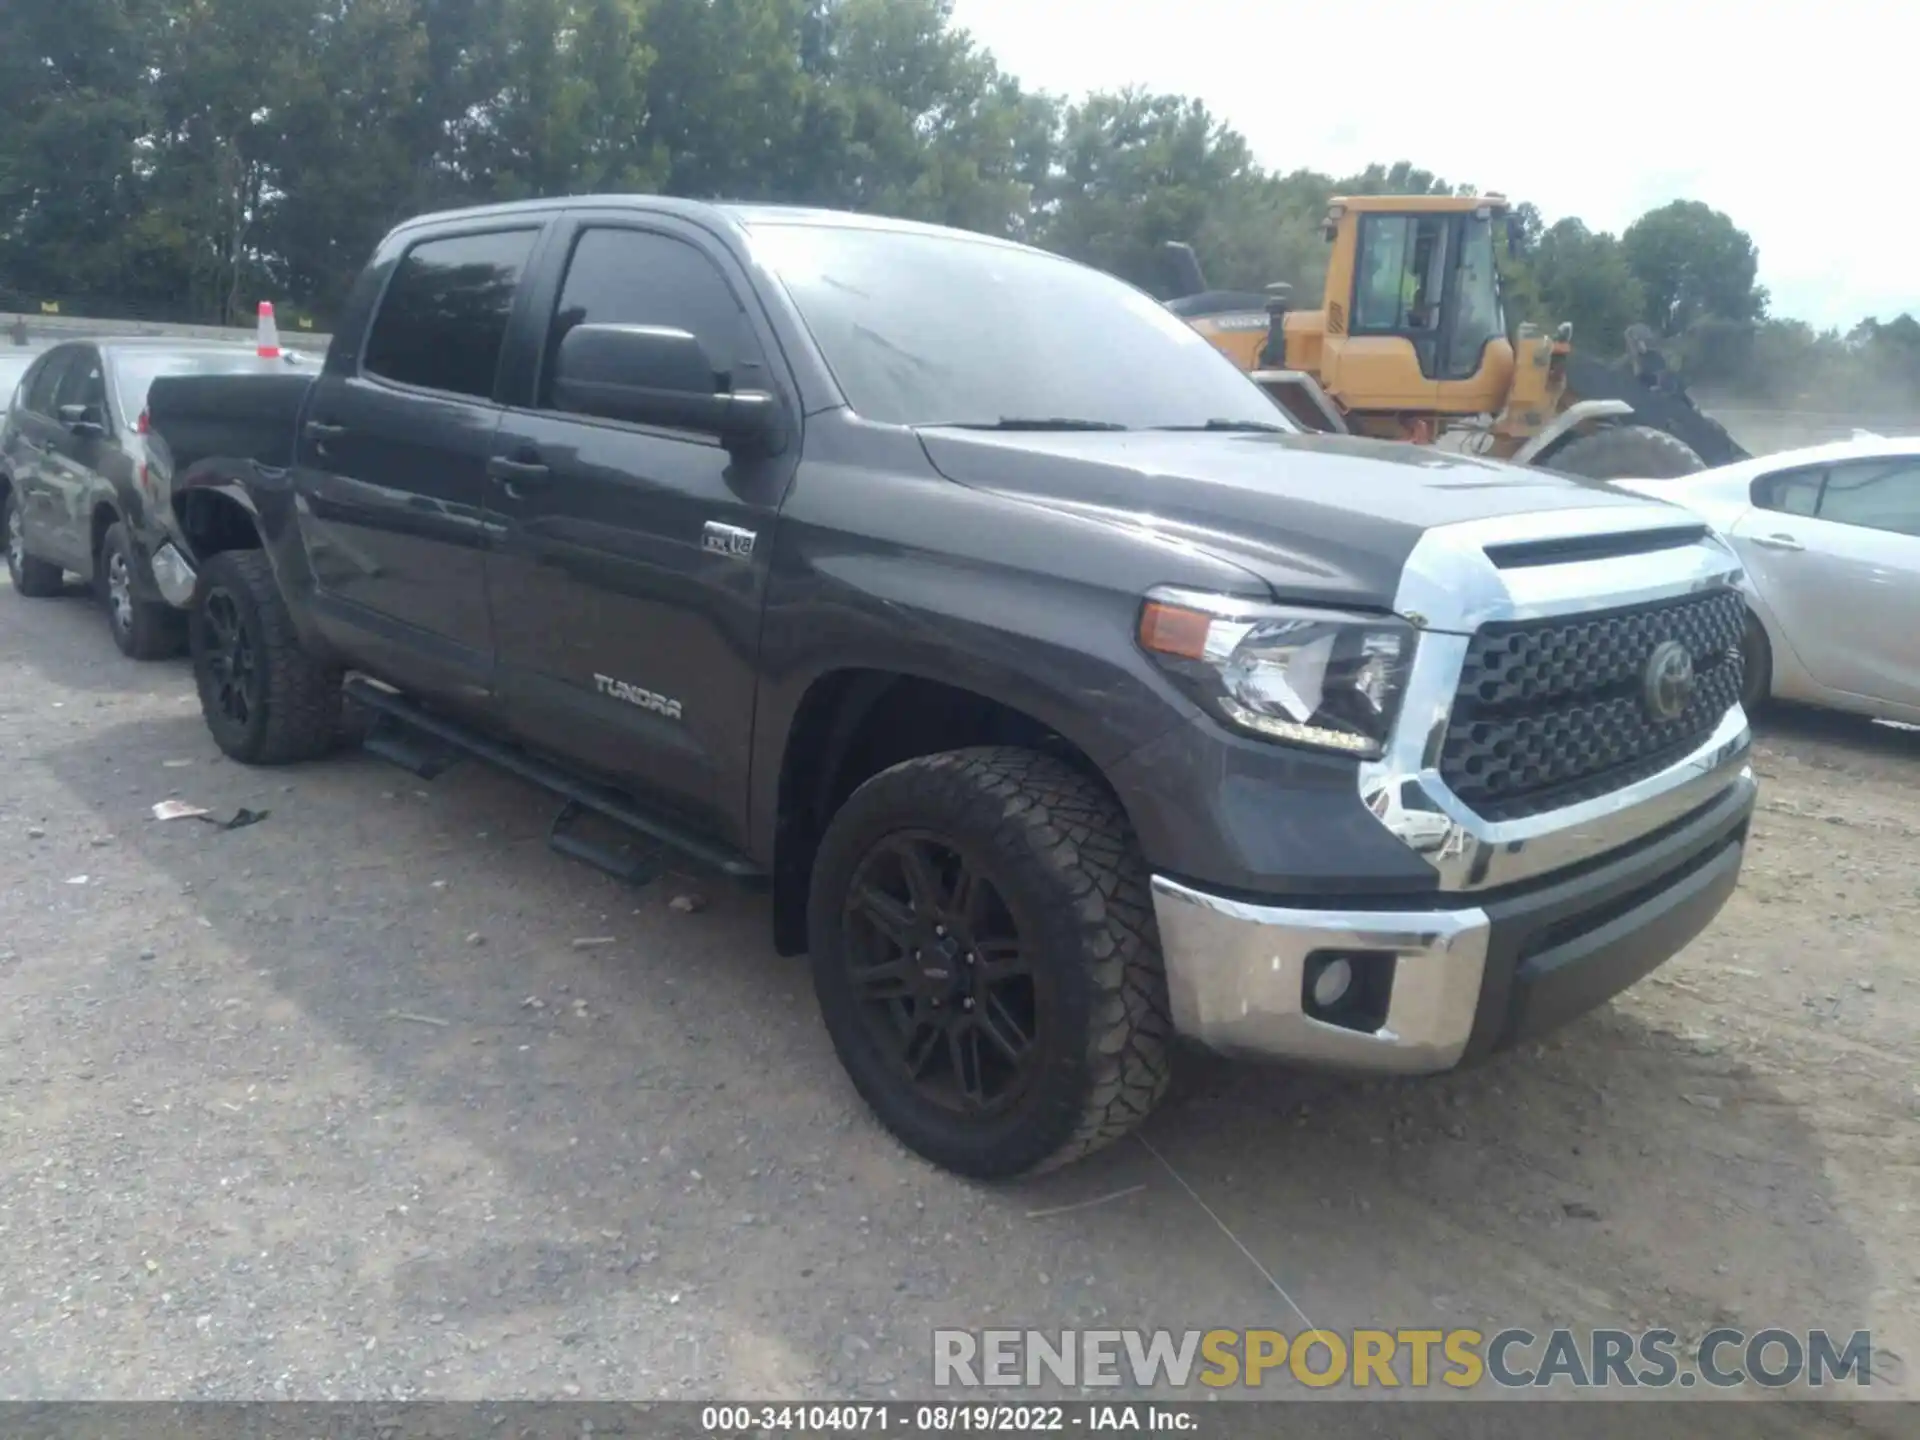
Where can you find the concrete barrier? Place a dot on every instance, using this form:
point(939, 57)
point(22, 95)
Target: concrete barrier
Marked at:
point(43, 330)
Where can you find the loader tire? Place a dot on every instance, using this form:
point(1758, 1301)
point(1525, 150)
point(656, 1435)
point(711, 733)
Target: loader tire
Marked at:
point(1626, 452)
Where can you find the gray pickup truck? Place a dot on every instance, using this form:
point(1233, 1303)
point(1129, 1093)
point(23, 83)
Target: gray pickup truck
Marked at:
point(1064, 697)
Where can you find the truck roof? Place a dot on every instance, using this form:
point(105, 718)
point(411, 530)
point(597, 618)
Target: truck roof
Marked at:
point(742, 213)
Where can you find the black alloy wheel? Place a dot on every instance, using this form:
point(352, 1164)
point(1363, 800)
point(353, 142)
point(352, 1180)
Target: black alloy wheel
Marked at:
point(232, 669)
point(986, 960)
point(947, 988)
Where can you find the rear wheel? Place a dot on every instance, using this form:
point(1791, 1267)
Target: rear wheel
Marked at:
point(1626, 452)
point(986, 960)
point(265, 699)
point(36, 579)
point(143, 629)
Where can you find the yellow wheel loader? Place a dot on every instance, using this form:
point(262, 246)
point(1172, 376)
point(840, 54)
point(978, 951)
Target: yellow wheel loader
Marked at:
point(1411, 343)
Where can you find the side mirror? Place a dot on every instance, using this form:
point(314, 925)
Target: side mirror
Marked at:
point(79, 419)
point(653, 375)
point(1516, 236)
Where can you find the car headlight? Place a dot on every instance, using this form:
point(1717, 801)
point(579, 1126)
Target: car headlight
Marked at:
point(1324, 678)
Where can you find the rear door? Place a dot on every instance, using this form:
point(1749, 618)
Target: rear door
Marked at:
point(70, 461)
point(629, 578)
point(31, 431)
point(1836, 551)
point(391, 461)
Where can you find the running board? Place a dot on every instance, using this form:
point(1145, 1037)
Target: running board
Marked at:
point(414, 751)
point(425, 744)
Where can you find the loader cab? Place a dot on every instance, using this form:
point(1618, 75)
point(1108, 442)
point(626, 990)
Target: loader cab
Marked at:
point(1414, 321)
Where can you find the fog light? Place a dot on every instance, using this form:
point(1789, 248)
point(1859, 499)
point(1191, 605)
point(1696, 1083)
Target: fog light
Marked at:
point(1348, 988)
point(1330, 986)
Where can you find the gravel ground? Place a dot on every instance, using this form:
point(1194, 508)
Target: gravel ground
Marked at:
point(337, 1106)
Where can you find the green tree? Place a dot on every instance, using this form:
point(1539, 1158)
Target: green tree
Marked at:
point(911, 118)
point(1402, 177)
point(1693, 263)
point(1582, 277)
point(728, 98)
point(1134, 171)
point(347, 160)
point(73, 114)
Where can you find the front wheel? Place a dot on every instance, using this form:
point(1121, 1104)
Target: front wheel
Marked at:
point(36, 579)
point(986, 960)
point(265, 699)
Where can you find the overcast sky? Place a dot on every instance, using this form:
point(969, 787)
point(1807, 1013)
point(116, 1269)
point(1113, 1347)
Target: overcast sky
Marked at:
point(1797, 119)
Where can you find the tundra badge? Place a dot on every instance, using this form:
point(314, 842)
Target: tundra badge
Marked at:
point(634, 695)
point(728, 540)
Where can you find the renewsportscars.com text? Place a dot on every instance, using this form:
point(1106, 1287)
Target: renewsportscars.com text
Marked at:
point(1392, 1359)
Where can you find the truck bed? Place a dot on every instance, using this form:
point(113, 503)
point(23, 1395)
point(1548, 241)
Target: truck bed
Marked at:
point(232, 418)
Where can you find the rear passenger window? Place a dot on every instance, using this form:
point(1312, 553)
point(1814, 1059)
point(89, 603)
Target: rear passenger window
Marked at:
point(46, 381)
point(443, 320)
point(84, 383)
point(1791, 492)
point(1875, 495)
point(632, 277)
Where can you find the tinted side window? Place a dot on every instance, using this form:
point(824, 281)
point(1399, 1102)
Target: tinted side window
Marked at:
point(1791, 492)
point(443, 320)
point(46, 381)
point(1876, 495)
point(629, 277)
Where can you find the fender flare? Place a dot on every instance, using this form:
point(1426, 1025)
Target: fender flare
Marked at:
point(1564, 424)
point(192, 486)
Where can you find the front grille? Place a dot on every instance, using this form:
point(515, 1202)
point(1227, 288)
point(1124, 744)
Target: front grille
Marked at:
point(1553, 712)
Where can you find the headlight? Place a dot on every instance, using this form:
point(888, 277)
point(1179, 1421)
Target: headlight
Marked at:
point(1312, 677)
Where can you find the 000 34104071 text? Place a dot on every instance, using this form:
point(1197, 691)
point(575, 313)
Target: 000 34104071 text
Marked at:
point(961, 1418)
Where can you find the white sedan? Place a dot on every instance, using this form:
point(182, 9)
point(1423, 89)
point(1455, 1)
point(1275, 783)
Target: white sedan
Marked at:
point(1830, 538)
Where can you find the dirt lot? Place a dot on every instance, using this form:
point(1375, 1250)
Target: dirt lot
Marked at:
point(334, 1106)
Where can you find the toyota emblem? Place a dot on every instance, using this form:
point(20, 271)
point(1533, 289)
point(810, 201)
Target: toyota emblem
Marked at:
point(1667, 685)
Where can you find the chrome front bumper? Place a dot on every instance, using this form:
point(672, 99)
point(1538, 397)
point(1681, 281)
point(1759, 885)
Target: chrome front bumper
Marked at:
point(1236, 976)
point(1467, 978)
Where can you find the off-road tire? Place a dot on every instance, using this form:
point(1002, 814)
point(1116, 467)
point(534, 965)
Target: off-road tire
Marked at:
point(1626, 452)
point(299, 714)
point(35, 579)
point(1061, 853)
point(144, 629)
point(1756, 667)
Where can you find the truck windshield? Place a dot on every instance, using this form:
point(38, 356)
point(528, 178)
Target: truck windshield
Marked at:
point(930, 329)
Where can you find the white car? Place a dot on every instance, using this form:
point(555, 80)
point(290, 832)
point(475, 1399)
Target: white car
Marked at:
point(1830, 538)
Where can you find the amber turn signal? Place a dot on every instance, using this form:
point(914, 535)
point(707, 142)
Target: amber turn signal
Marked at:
point(1173, 630)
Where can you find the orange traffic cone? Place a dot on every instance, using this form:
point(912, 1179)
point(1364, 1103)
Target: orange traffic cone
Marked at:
point(269, 333)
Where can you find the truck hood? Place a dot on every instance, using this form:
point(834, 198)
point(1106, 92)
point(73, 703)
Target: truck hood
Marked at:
point(1327, 518)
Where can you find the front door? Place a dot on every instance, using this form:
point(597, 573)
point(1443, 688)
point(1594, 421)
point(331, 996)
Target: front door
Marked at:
point(392, 463)
point(1837, 554)
point(629, 575)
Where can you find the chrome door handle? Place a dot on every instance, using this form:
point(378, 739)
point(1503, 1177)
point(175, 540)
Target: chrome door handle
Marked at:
point(1777, 542)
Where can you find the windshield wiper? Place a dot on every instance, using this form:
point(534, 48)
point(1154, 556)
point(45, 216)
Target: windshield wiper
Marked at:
point(1261, 427)
point(1022, 422)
